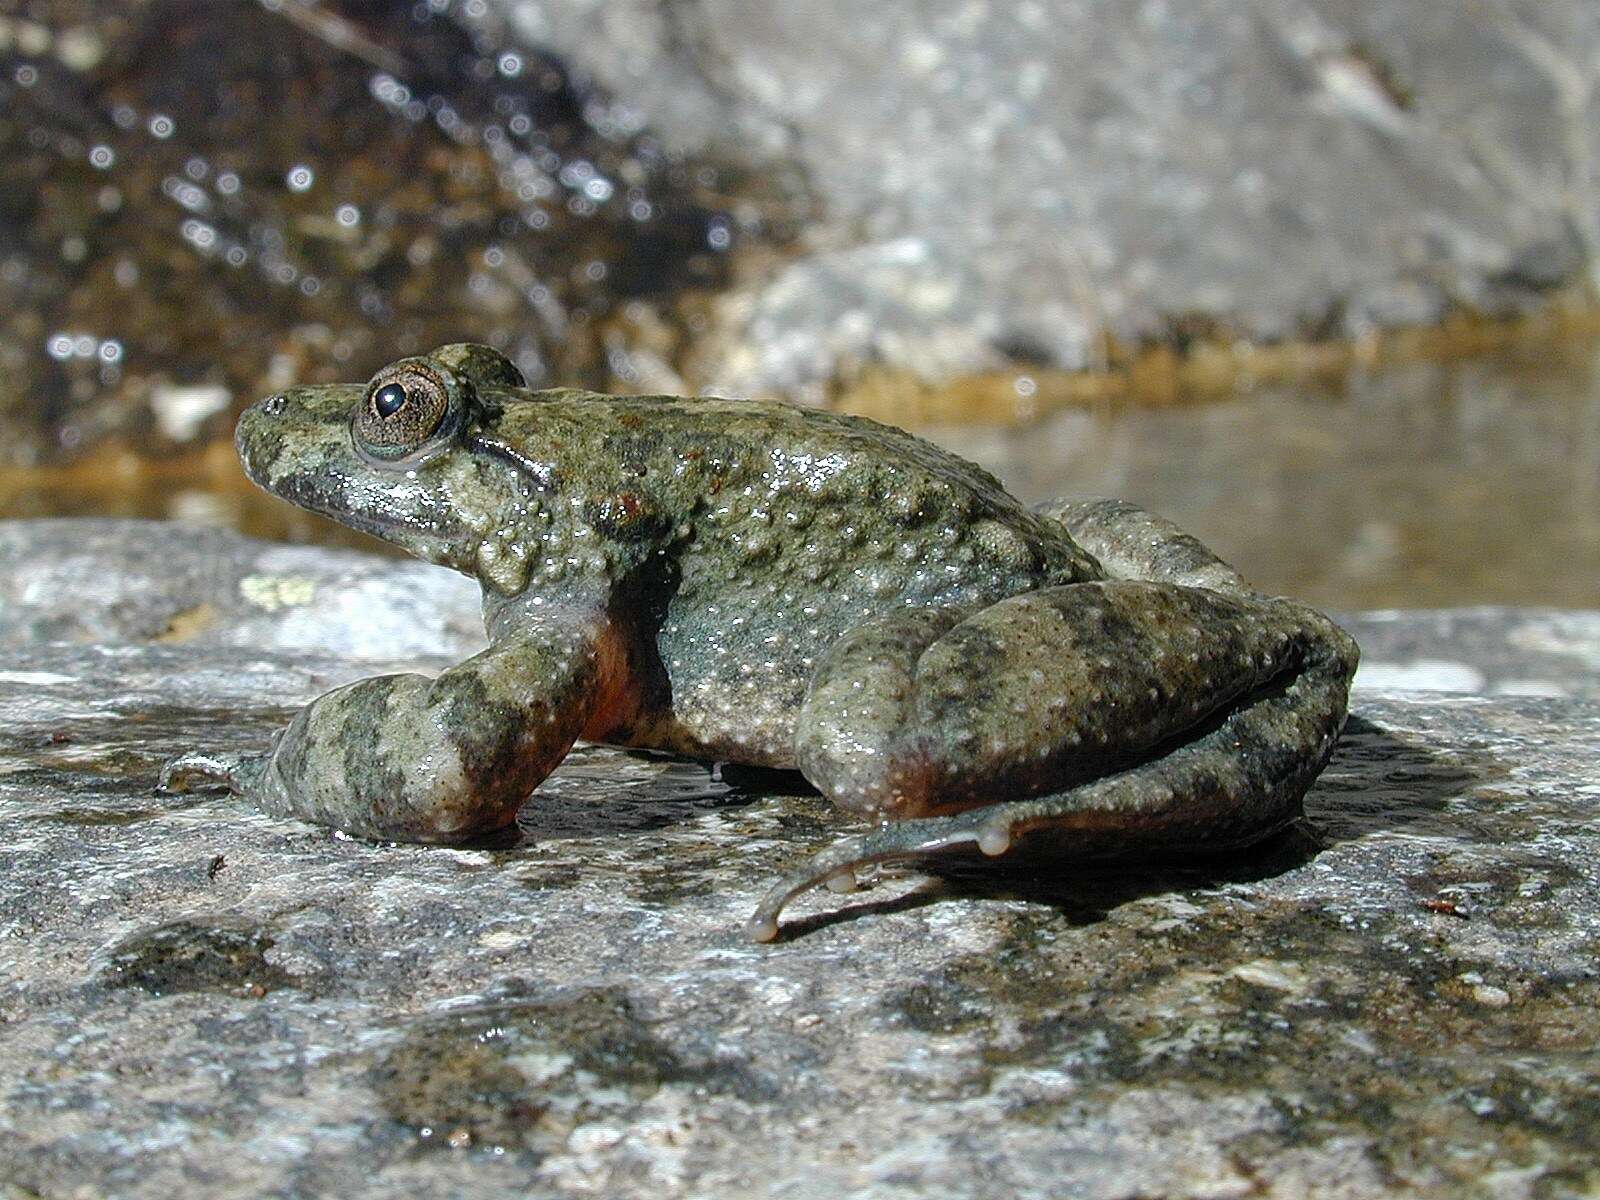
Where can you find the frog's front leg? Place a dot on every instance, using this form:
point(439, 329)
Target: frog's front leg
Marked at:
point(415, 759)
point(1115, 718)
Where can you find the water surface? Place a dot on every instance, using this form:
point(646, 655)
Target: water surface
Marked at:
point(1470, 482)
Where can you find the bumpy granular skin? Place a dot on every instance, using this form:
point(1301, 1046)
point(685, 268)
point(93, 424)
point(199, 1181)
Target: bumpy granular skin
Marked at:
point(760, 583)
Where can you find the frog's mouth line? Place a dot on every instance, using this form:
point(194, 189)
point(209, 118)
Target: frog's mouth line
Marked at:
point(396, 528)
point(377, 524)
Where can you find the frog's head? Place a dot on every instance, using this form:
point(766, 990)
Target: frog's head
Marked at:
point(394, 457)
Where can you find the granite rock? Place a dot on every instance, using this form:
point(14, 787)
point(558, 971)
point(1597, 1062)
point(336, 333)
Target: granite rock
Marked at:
point(1399, 997)
point(997, 182)
point(109, 581)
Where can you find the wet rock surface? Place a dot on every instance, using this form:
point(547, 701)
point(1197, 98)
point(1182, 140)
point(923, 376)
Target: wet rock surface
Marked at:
point(1474, 651)
point(1398, 997)
point(202, 202)
point(1003, 182)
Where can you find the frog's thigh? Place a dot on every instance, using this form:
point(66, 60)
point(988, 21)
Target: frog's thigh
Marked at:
point(417, 759)
point(921, 714)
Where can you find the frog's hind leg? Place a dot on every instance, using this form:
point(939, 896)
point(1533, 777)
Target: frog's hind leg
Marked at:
point(1132, 543)
point(1116, 717)
point(896, 841)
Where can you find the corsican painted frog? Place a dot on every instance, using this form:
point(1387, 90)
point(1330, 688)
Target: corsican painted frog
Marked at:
point(760, 583)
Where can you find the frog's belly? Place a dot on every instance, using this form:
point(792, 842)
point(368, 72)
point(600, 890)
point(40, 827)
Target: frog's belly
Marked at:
point(742, 721)
point(733, 698)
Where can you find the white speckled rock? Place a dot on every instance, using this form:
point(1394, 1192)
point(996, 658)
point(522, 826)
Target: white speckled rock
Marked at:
point(996, 181)
point(148, 581)
point(1486, 651)
point(1399, 998)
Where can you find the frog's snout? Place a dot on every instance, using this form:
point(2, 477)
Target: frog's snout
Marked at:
point(247, 440)
point(260, 434)
point(293, 431)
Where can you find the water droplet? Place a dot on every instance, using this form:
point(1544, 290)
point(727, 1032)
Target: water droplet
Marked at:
point(198, 234)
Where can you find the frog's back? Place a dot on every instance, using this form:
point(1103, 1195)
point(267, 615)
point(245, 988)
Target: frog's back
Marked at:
point(766, 493)
point(710, 437)
point(785, 527)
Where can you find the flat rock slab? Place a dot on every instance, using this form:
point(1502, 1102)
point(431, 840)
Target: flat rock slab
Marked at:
point(1400, 996)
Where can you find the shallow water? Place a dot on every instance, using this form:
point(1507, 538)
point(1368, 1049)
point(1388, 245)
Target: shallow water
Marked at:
point(1469, 482)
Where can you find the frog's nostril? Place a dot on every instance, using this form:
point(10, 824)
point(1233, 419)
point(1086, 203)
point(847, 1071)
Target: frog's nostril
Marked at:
point(273, 405)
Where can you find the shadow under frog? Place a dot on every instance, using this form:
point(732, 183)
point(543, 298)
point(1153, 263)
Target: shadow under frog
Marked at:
point(1376, 780)
point(754, 582)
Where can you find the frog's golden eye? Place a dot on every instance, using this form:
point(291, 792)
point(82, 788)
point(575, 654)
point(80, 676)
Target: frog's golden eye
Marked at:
point(403, 408)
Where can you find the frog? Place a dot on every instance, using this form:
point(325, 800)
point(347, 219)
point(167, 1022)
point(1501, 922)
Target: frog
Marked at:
point(965, 677)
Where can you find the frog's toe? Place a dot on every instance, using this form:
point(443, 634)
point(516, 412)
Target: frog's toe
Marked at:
point(202, 772)
point(843, 883)
point(836, 866)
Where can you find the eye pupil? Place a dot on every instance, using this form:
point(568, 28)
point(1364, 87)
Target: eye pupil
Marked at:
point(389, 399)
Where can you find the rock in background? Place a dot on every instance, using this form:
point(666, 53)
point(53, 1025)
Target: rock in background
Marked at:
point(112, 582)
point(204, 202)
point(998, 182)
